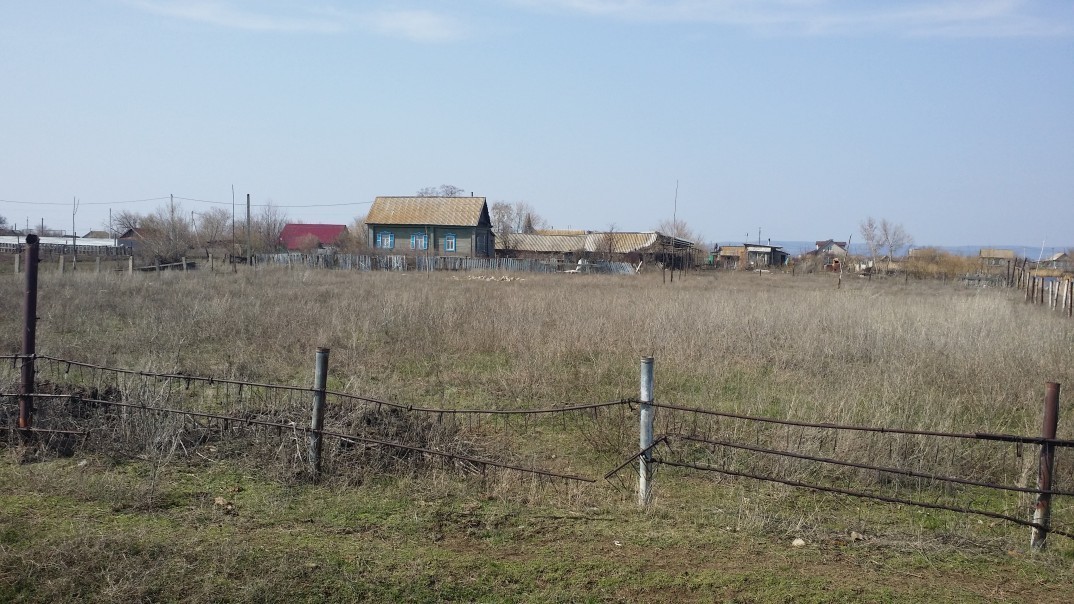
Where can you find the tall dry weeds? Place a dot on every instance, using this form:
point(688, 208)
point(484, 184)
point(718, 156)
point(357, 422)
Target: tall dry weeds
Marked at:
point(884, 353)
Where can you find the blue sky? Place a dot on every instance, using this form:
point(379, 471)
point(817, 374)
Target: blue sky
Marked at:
point(798, 117)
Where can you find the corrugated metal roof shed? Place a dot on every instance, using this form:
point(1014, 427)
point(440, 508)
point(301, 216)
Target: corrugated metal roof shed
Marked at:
point(618, 242)
point(439, 211)
point(560, 232)
point(537, 243)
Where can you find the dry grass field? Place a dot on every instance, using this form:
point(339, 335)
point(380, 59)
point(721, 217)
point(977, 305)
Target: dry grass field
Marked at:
point(122, 525)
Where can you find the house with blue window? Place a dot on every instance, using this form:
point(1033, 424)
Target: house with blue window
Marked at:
point(434, 226)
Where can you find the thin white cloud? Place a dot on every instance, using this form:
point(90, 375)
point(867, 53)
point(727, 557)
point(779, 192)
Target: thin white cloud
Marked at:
point(417, 25)
point(298, 17)
point(224, 14)
point(818, 17)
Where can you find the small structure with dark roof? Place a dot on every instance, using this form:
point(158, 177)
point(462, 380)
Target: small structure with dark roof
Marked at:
point(439, 226)
point(750, 256)
point(299, 236)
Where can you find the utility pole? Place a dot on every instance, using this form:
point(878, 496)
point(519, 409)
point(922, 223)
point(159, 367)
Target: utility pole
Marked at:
point(248, 245)
point(74, 210)
point(197, 238)
point(675, 208)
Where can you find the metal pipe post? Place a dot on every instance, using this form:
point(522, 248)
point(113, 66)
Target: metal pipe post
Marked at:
point(320, 384)
point(1042, 512)
point(29, 336)
point(645, 415)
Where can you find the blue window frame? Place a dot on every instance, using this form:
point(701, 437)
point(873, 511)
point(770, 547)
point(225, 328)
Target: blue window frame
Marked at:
point(419, 241)
point(386, 240)
point(449, 242)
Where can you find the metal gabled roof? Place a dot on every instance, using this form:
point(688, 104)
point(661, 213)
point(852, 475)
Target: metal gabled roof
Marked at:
point(538, 243)
point(437, 211)
point(614, 242)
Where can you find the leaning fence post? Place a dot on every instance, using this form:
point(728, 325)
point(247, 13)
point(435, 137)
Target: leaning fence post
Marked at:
point(645, 415)
point(1042, 511)
point(29, 337)
point(320, 381)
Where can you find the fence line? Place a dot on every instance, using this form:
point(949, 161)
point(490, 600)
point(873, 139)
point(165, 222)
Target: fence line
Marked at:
point(341, 395)
point(1053, 288)
point(862, 466)
point(1032, 440)
point(399, 262)
point(279, 418)
point(297, 428)
point(865, 495)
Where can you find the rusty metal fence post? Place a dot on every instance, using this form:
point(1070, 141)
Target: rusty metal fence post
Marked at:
point(320, 382)
point(645, 415)
point(1042, 511)
point(29, 336)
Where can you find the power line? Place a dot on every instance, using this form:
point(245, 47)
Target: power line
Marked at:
point(256, 205)
point(273, 205)
point(87, 203)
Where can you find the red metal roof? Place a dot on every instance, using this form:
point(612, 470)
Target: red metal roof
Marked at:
point(327, 234)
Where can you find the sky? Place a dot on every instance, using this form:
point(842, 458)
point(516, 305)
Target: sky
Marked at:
point(796, 119)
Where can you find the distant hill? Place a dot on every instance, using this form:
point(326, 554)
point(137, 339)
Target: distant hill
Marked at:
point(795, 248)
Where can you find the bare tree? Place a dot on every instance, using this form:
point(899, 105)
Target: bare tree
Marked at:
point(167, 233)
point(870, 232)
point(211, 226)
point(884, 236)
point(3, 222)
point(267, 227)
point(895, 238)
point(509, 219)
point(529, 221)
point(502, 215)
point(124, 221)
point(607, 242)
point(355, 239)
point(679, 229)
point(441, 191)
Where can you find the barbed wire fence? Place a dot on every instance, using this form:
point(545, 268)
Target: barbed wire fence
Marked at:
point(923, 468)
point(133, 412)
point(160, 415)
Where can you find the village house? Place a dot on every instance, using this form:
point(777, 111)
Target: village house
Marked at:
point(299, 236)
point(831, 247)
point(750, 256)
point(996, 257)
point(138, 239)
point(828, 255)
point(439, 226)
point(1059, 261)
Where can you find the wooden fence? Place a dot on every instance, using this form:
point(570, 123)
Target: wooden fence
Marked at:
point(362, 262)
